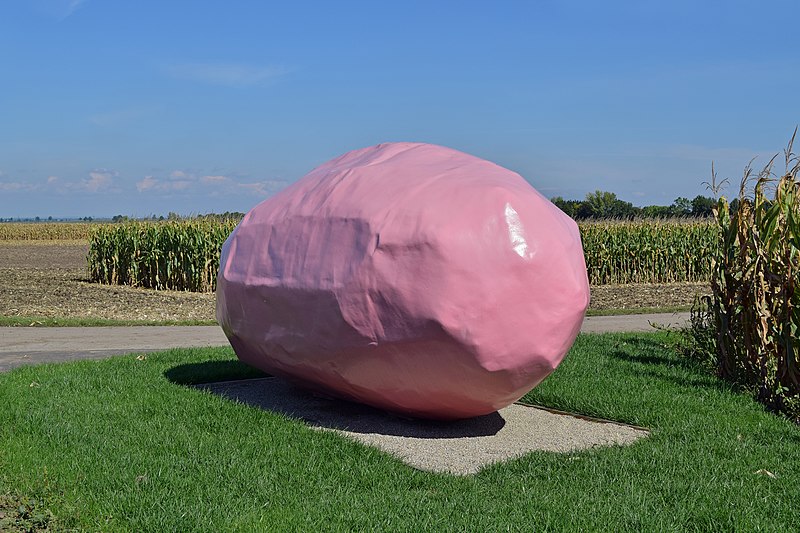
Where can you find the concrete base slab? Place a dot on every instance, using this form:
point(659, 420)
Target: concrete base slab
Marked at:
point(461, 447)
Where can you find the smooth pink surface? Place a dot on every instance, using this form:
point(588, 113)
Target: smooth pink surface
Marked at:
point(410, 277)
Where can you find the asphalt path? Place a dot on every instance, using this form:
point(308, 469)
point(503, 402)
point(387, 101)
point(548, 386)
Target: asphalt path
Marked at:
point(21, 346)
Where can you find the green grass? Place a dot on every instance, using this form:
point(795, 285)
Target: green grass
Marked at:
point(43, 321)
point(123, 445)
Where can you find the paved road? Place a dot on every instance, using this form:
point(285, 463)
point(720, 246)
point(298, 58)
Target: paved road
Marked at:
point(631, 323)
point(19, 345)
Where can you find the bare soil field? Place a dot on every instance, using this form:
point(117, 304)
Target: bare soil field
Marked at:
point(48, 279)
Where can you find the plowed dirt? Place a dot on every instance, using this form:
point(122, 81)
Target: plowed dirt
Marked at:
point(48, 279)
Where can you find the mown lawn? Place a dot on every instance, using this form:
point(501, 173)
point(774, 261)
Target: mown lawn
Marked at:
point(123, 445)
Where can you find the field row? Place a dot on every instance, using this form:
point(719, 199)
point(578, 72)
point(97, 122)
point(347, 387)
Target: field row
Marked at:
point(648, 251)
point(184, 255)
point(47, 231)
point(169, 255)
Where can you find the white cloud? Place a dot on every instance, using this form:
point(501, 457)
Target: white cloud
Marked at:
point(231, 75)
point(15, 186)
point(179, 181)
point(18, 186)
point(210, 180)
point(98, 180)
point(147, 183)
point(222, 185)
point(213, 184)
point(263, 188)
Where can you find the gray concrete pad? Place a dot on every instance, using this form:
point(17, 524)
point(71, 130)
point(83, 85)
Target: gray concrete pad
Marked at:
point(20, 345)
point(460, 447)
point(632, 323)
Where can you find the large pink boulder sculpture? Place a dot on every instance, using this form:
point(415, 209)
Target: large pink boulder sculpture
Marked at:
point(410, 277)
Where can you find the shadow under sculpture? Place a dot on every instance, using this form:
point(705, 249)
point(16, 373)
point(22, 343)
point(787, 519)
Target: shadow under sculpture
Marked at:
point(410, 277)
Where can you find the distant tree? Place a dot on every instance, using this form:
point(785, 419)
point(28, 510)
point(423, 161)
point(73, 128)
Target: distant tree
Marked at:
point(570, 207)
point(37, 219)
point(227, 215)
point(600, 203)
point(603, 204)
point(626, 210)
point(173, 216)
point(682, 207)
point(50, 218)
point(702, 206)
point(657, 211)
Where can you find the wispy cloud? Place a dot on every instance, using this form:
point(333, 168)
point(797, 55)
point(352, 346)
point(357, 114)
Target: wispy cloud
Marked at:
point(231, 75)
point(151, 183)
point(17, 186)
point(210, 184)
point(58, 9)
point(73, 5)
point(215, 180)
point(98, 180)
point(220, 185)
point(262, 188)
point(147, 183)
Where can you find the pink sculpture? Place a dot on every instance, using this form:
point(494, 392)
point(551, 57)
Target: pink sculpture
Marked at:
point(410, 277)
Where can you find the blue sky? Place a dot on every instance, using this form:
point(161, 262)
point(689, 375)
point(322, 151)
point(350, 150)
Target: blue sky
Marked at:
point(118, 107)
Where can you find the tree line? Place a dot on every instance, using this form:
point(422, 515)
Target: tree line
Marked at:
point(597, 204)
point(227, 215)
point(604, 204)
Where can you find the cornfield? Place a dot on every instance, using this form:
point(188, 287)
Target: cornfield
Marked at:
point(180, 255)
point(650, 251)
point(184, 255)
point(46, 231)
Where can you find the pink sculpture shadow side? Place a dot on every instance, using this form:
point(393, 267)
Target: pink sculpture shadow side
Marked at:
point(410, 277)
